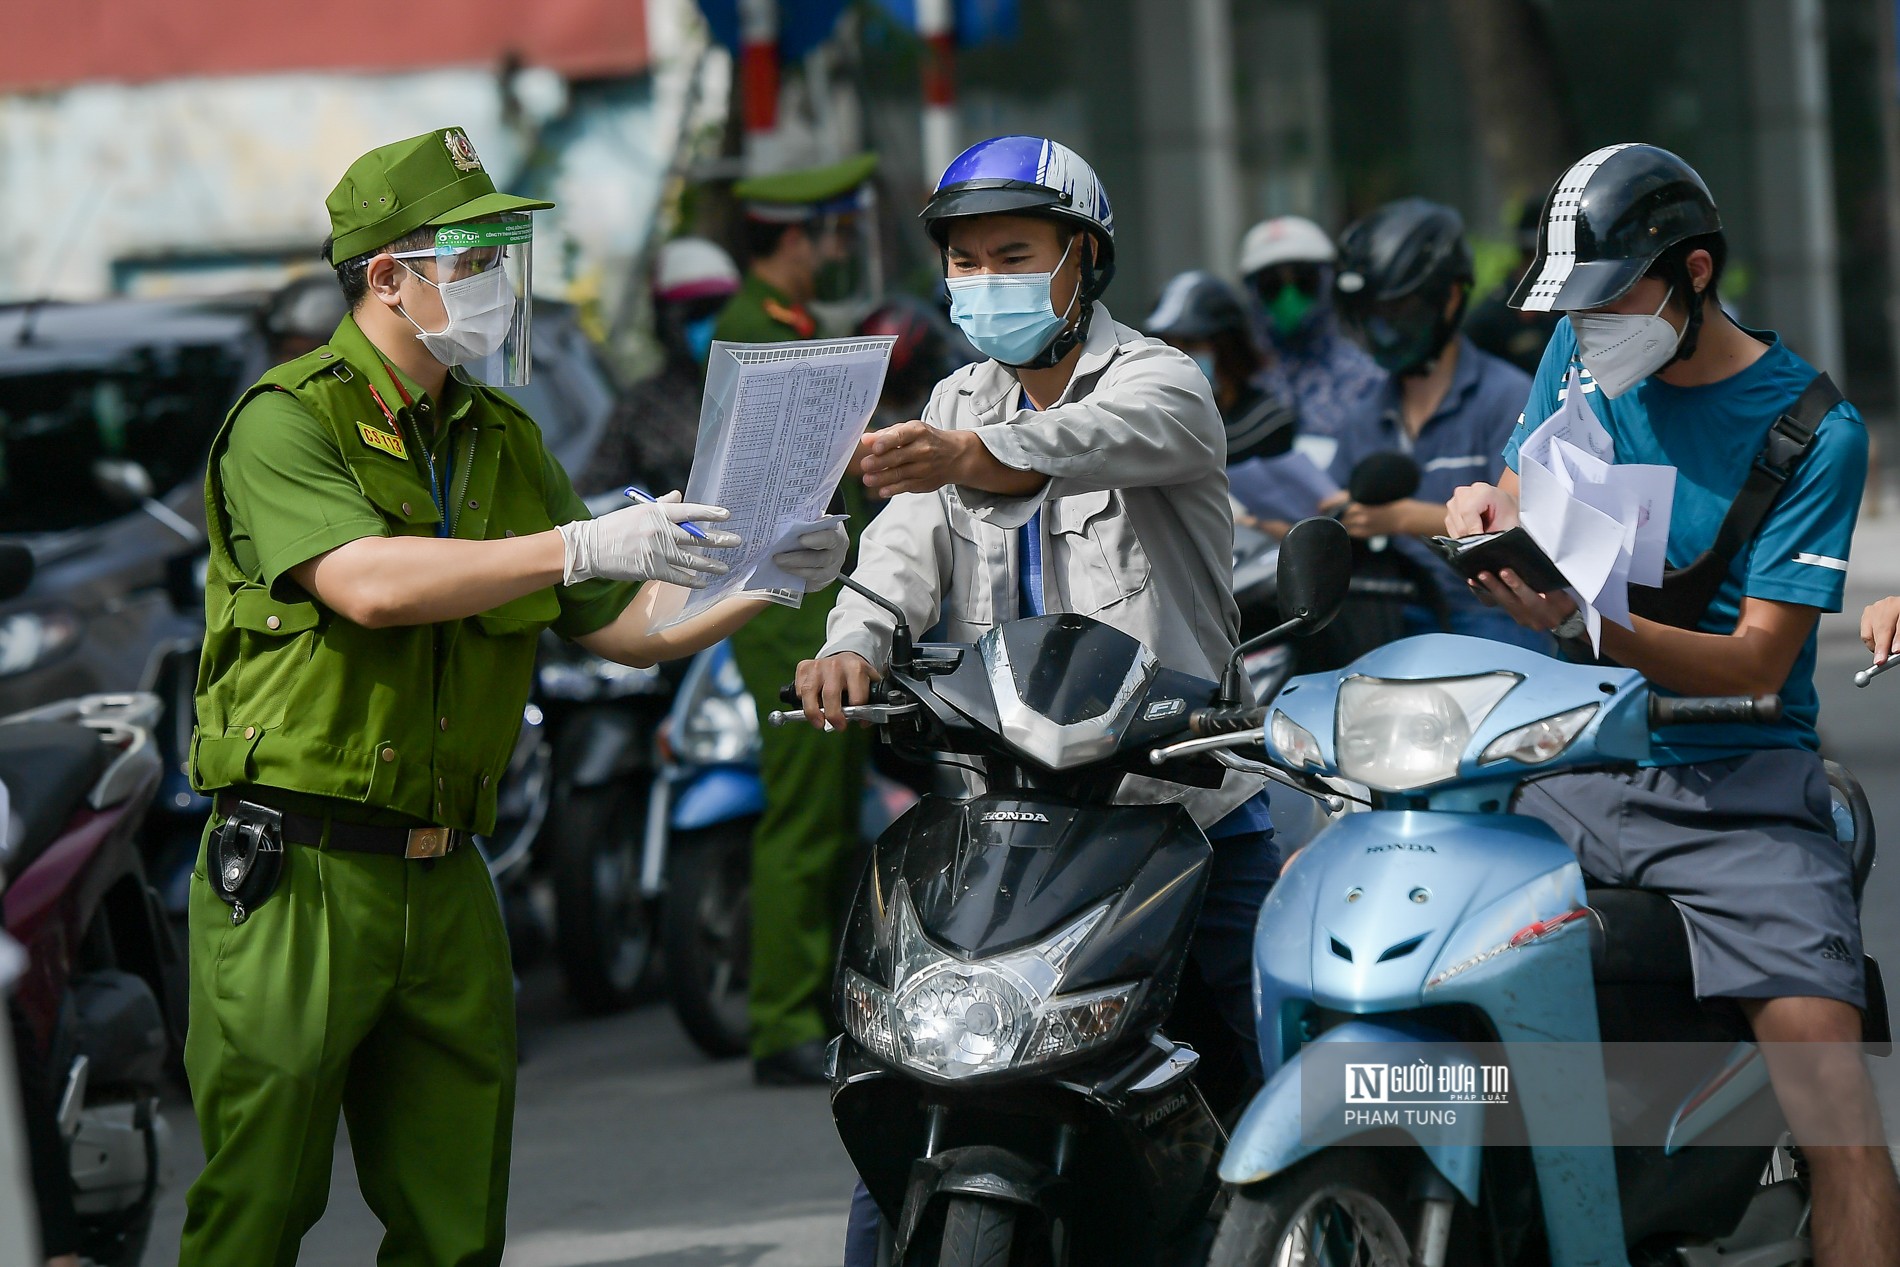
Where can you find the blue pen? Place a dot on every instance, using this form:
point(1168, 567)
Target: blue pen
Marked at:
point(641, 495)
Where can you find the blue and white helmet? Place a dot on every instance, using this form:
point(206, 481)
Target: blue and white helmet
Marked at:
point(1025, 175)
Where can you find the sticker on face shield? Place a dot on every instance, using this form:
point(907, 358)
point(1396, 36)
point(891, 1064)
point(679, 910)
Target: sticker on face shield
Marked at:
point(456, 237)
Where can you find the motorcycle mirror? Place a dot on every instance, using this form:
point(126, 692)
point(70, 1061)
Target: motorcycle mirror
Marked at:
point(1315, 568)
point(1383, 478)
point(16, 569)
point(123, 480)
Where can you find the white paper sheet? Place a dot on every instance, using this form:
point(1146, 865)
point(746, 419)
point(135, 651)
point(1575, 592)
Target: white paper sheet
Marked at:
point(1603, 525)
point(1289, 487)
point(777, 428)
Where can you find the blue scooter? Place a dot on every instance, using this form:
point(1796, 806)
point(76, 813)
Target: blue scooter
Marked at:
point(1436, 988)
point(697, 861)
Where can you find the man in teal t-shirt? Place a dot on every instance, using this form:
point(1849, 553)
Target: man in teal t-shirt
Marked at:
point(1731, 822)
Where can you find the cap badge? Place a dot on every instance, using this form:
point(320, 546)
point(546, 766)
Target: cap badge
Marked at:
point(461, 150)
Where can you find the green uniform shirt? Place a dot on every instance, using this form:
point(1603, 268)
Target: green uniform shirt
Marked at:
point(404, 724)
point(761, 313)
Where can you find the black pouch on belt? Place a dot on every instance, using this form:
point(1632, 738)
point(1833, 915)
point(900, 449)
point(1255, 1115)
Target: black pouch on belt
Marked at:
point(247, 858)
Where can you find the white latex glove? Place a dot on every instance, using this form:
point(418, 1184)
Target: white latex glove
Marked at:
point(646, 543)
point(819, 557)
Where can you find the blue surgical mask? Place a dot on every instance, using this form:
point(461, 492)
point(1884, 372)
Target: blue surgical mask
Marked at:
point(699, 336)
point(1206, 361)
point(1009, 316)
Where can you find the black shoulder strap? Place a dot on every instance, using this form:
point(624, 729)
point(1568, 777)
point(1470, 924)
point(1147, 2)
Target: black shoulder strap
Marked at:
point(1788, 442)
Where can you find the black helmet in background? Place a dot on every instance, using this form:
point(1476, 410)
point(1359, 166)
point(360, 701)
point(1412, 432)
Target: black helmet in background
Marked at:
point(1403, 277)
point(1197, 305)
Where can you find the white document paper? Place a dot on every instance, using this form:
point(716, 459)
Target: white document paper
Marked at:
point(777, 428)
point(1289, 487)
point(1603, 525)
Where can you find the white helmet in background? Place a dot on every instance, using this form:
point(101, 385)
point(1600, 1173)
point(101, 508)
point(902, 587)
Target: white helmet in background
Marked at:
point(693, 268)
point(1284, 240)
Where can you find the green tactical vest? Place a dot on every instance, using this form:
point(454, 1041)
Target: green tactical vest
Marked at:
point(417, 720)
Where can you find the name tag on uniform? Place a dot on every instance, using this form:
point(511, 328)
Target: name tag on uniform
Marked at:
point(377, 439)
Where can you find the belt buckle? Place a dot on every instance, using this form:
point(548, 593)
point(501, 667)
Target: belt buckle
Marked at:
point(429, 842)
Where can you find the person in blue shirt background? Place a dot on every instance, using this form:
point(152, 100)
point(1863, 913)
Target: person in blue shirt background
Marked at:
point(1404, 276)
point(1286, 265)
point(1732, 823)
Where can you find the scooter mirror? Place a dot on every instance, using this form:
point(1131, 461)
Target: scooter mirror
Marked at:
point(1383, 478)
point(1315, 568)
point(16, 570)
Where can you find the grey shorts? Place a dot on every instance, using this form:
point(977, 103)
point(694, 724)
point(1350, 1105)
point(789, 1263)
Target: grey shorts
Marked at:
point(1744, 846)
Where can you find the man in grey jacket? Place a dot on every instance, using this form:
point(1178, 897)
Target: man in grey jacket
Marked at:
point(1082, 468)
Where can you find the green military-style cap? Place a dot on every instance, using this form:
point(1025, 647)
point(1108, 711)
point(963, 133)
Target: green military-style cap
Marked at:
point(435, 178)
point(794, 196)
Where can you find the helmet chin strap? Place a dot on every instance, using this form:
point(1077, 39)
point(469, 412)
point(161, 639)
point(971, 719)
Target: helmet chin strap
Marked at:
point(1082, 303)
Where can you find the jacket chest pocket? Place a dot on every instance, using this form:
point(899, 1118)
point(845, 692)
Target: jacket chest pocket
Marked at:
point(1097, 553)
point(392, 486)
point(968, 597)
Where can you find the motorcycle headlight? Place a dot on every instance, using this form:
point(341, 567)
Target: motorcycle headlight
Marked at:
point(721, 731)
point(29, 639)
point(953, 1019)
point(1540, 741)
point(1398, 735)
point(1293, 741)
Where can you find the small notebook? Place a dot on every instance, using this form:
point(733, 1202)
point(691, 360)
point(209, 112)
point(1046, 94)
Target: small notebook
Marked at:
point(1495, 551)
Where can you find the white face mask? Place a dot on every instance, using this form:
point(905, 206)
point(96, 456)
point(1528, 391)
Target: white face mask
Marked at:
point(1622, 349)
point(480, 311)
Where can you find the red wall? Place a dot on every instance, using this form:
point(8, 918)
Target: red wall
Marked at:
point(53, 43)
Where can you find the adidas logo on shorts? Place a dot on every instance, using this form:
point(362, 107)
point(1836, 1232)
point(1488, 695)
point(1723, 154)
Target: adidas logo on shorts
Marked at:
point(1835, 949)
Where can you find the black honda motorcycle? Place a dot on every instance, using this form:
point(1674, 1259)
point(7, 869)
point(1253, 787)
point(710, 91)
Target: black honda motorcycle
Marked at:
point(1012, 960)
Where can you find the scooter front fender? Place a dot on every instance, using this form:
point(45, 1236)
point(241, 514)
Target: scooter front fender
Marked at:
point(1288, 1122)
point(717, 795)
point(995, 1174)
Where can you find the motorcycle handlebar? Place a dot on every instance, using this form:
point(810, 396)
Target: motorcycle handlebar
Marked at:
point(1206, 722)
point(1735, 710)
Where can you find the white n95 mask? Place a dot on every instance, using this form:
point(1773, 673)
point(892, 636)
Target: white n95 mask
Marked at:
point(1622, 349)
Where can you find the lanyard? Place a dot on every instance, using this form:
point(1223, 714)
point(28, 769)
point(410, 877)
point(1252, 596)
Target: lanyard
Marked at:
point(438, 487)
point(1031, 596)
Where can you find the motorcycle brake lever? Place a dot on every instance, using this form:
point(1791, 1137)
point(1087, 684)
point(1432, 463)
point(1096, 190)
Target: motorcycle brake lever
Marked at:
point(1333, 801)
point(1220, 746)
point(876, 714)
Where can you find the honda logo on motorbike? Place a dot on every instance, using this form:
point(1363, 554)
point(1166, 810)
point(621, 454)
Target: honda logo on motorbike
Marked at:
point(1014, 816)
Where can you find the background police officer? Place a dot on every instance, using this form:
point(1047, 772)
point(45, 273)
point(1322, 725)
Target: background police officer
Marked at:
point(813, 783)
point(388, 537)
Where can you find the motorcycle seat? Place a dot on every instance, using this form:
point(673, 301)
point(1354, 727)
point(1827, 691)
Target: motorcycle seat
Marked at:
point(48, 768)
point(1637, 935)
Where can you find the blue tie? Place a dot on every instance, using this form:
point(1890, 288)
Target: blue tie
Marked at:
point(1030, 556)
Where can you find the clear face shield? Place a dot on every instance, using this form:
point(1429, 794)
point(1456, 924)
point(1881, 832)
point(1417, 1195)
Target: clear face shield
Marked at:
point(850, 280)
point(481, 272)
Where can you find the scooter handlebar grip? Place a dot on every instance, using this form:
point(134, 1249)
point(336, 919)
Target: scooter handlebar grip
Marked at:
point(788, 694)
point(1714, 710)
point(1205, 722)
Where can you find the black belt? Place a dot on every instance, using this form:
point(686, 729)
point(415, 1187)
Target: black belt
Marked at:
point(394, 842)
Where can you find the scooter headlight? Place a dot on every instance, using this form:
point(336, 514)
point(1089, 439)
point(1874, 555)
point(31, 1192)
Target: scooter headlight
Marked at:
point(1398, 735)
point(953, 1019)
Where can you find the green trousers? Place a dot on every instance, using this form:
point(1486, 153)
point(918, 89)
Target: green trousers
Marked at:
point(814, 785)
point(372, 985)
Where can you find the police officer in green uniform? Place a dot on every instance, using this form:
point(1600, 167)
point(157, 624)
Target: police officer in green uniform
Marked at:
point(813, 782)
point(388, 537)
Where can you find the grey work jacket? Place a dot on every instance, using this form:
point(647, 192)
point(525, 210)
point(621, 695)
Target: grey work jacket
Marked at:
point(1137, 528)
